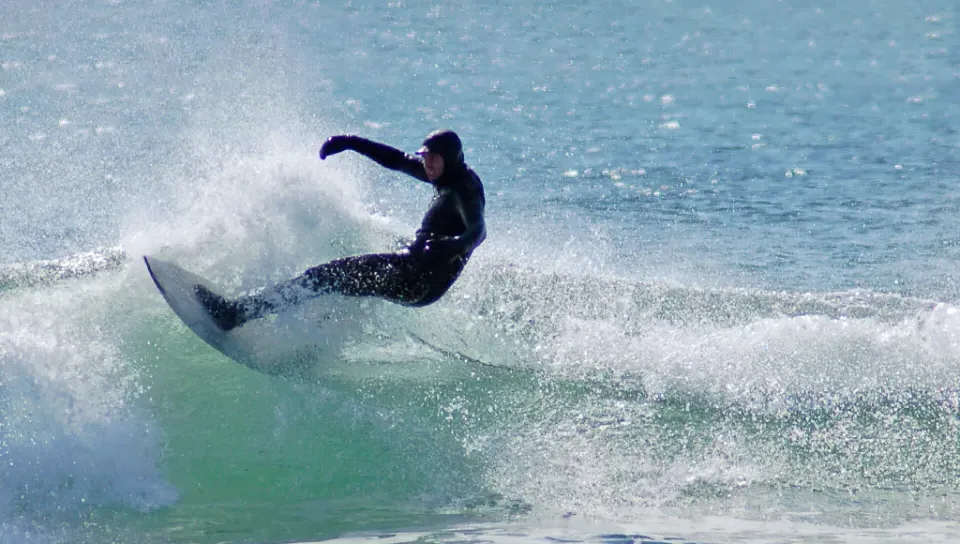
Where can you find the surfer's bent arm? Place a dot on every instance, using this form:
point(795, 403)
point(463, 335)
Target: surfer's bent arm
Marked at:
point(382, 154)
point(473, 235)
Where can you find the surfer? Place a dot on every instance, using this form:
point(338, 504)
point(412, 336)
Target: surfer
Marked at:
point(417, 275)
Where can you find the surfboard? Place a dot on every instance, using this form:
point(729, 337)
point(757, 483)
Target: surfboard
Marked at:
point(178, 288)
point(295, 343)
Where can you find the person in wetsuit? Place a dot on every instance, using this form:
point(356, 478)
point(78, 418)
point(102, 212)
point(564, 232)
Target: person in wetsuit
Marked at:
point(417, 275)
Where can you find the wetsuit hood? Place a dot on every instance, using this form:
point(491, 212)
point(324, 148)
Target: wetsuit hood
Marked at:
point(447, 144)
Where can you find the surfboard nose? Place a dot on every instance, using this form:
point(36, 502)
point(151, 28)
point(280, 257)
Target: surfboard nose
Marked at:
point(153, 276)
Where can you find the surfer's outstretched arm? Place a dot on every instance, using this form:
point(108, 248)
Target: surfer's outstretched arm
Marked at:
point(383, 154)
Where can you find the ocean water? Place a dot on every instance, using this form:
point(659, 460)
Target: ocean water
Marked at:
point(718, 301)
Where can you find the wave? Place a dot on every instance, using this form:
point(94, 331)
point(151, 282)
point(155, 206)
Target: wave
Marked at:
point(73, 435)
point(728, 342)
point(79, 265)
point(523, 389)
point(662, 337)
point(614, 393)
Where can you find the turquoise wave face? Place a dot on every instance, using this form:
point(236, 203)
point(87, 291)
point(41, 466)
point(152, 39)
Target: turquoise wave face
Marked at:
point(661, 398)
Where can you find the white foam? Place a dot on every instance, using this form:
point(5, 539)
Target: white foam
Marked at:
point(71, 436)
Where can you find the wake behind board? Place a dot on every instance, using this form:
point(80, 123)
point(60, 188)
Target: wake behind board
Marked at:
point(177, 287)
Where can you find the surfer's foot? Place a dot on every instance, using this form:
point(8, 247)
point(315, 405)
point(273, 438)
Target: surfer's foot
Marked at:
point(225, 313)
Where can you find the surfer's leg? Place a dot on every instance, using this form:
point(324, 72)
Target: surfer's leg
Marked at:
point(397, 277)
point(230, 314)
point(393, 276)
point(438, 282)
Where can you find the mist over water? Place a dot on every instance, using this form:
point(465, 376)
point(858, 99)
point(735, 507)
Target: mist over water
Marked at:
point(717, 300)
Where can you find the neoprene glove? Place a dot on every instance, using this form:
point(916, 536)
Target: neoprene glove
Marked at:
point(335, 144)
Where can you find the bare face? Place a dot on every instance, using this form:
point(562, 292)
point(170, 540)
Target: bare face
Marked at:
point(433, 164)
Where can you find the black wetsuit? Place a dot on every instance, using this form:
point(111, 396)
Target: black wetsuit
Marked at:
point(415, 276)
